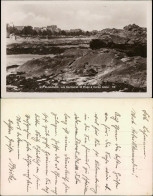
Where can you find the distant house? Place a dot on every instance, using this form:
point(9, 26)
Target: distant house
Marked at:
point(43, 29)
point(58, 30)
point(37, 29)
point(53, 28)
point(12, 36)
point(19, 28)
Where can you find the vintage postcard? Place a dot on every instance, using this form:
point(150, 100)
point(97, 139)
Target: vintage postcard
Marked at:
point(76, 147)
point(76, 49)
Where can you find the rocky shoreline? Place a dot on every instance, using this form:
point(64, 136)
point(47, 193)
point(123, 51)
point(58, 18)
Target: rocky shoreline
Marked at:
point(18, 83)
point(114, 61)
point(47, 46)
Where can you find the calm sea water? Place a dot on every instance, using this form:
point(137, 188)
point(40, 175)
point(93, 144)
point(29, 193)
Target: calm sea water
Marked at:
point(19, 59)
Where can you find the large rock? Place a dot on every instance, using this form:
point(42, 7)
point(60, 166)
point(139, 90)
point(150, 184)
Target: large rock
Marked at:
point(109, 65)
point(132, 40)
point(50, 65)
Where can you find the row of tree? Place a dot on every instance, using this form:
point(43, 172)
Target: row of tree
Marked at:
point(29, 31)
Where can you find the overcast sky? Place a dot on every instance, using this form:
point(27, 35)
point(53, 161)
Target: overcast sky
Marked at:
point(87, 15)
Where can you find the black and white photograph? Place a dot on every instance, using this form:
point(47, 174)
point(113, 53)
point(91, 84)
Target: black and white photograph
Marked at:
point(100, 47)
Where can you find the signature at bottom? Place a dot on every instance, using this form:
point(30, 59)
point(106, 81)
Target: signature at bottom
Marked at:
point(12, 167)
